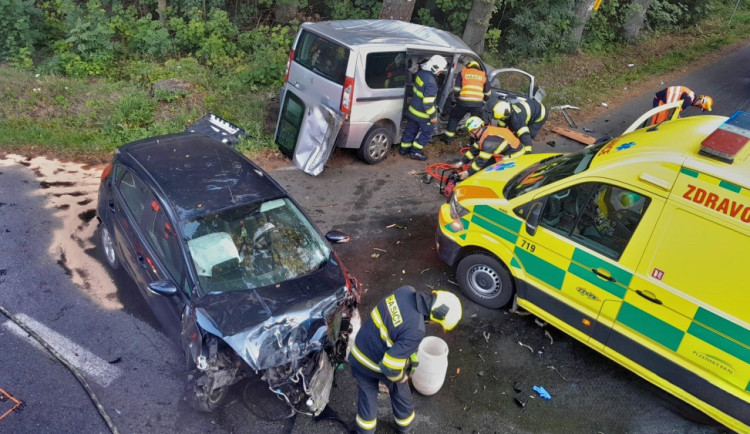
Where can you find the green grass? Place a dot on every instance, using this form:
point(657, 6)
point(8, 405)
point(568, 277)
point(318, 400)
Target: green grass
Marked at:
point(88, 119)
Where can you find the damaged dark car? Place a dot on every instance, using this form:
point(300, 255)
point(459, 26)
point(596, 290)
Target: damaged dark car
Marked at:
point(232, 268)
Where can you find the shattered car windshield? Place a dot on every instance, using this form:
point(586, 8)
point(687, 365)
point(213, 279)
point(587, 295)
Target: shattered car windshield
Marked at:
point(252, 246)
point(550, 170)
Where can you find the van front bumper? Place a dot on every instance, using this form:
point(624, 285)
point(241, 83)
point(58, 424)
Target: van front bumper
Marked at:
point(447, 249)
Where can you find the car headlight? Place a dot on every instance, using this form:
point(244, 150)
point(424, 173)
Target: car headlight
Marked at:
point(457, 211)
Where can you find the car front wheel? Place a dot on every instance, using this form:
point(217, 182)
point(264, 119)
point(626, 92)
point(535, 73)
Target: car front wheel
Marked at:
point(376, 145)
point(485, 280)
point(108, 246)
point(202, 399)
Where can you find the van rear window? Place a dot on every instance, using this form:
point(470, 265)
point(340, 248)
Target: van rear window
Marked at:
point(322, 56)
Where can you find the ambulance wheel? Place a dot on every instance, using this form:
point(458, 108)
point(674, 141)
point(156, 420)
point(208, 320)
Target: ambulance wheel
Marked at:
point(376, 145)
point(485, 280)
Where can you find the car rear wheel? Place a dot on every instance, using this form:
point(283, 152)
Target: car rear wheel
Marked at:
point(485, 280)
point(108, 247)
point(376, 145)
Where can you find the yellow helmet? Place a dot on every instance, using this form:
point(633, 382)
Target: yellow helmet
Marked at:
point(473, 64)
point(502, 110)
point(473, 123)
point(705, 102)
point(446, 309)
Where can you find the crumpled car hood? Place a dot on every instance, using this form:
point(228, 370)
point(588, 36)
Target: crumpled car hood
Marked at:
point(275, 325)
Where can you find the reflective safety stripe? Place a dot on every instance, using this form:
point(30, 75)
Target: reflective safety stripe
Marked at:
point(449, 134)
point(395, 364)
point(475, 167)
point(429, 100)
point(417, 146)
point(378, 320)
point(418, 113)
point(523, 130)
point(485, 155)
point(406, 421)
point(419, 93)
point(405, 145)
point(366, 424)
point(542, 113)
point(528, 111)
point(361, 358)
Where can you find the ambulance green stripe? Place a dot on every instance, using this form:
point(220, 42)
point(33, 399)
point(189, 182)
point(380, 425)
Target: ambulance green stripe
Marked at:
point(513, 224)
point(621, 276)
point(587, 275)
point(725, 327)
point(729, 186)
point(689, 172)
point(720, 342)
point(650, 326)
point(495, 229)
point(541, 269)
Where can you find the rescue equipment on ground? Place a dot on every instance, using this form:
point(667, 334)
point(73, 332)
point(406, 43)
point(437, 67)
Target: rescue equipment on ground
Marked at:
point(429, 376)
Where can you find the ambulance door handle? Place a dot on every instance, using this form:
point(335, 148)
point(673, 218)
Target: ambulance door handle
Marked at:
point(604, 274)
point(648, 295)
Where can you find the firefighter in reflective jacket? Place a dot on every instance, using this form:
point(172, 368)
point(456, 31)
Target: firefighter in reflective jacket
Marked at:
point(422, 115)
point(472, 88)
point(488, 142)
point(676, 93)
point(385, 349)
point(524, 118)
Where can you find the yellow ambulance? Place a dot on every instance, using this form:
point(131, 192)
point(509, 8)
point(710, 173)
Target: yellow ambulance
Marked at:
point(638, 247)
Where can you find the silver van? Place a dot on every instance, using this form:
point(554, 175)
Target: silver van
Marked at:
point(348, 82)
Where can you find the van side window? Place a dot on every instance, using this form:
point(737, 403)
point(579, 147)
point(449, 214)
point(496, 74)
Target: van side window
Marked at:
point(601, 217)
point(322, 56)
point(385, 70)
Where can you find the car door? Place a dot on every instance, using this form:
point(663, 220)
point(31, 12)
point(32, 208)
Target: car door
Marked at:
point(153, 249)
point(584, 253)
point(512, 85)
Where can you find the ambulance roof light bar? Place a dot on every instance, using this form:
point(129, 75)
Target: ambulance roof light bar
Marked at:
point(729, 139)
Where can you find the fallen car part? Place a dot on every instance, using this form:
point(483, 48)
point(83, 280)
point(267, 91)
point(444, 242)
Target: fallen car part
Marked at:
point(575, 135)
point(566, 115)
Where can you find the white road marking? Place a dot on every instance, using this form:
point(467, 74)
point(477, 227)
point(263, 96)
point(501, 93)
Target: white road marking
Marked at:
point(91, 365)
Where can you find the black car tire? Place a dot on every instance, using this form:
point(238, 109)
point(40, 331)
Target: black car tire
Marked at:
point(202, 401)
point(108, 247)
point(376, 145)
point(485, 280)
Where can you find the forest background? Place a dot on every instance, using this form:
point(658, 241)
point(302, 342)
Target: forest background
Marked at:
point(76, 77)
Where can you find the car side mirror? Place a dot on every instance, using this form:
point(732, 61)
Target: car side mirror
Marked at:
point(532, 221)
point(337, 237)
point(163, 287)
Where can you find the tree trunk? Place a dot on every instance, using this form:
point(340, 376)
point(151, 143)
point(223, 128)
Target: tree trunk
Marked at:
point(583, 9)
point(634, 21)
point(478, 23)
point(161, 9)
point(285, 10)
point(397, 10)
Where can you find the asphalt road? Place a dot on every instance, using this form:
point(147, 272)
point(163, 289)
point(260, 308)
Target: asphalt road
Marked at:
point(91, 315)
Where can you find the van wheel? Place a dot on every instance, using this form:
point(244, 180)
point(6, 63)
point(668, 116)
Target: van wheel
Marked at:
point(376, 145)
point(485, 280)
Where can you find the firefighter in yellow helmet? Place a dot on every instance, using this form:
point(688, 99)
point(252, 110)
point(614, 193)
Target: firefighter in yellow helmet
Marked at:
point(385, 349)
point(523, 118)
point(471, 89)
point(676, 93)
point(488, 143)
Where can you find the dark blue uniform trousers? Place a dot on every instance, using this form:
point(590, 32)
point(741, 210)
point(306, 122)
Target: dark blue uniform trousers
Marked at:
point(416, 134)
point(367, 397)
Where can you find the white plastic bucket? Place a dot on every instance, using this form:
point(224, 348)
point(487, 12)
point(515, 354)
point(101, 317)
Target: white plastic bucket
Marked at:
point(429, 376)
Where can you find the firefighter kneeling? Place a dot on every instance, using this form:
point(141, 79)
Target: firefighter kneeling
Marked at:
point(488, 144)
point(386, 346)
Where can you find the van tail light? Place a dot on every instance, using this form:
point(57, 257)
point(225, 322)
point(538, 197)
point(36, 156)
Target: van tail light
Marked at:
point(288, 65)
point(105, 173)
point(346, 96)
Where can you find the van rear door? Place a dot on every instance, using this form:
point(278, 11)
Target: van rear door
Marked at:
point(312, 101)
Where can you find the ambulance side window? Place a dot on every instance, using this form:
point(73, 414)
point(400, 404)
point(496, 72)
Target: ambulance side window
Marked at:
point(601, 217)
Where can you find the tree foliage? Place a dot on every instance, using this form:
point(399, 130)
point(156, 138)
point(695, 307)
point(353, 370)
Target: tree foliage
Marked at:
point(242, 38)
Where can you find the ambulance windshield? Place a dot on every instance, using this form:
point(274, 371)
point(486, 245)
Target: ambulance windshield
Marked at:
point(549, 171)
